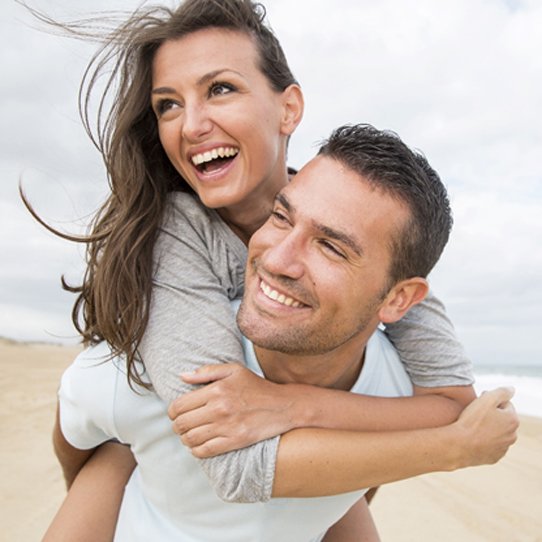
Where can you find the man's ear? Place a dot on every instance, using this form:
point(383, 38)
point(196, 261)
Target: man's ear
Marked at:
point(293, 106)
point(401, 297)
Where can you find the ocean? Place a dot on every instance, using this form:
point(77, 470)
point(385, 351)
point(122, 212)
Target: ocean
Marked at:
point(526, 379)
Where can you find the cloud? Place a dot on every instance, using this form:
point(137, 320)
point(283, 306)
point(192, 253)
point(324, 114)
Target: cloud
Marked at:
point(461, 80)
point(490, 275)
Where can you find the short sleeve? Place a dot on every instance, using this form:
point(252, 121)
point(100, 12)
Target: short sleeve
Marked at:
point(86, 399)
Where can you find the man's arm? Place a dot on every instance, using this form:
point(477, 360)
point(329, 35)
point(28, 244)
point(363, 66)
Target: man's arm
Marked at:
point(96, 469)
point(71, 459)
point(90, 510)
point(356, 525)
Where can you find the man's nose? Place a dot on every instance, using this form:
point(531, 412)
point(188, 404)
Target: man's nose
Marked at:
point(197, 123)
point(286, 257)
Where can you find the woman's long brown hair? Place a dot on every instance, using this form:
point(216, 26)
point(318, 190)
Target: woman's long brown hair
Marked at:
point(113, 300)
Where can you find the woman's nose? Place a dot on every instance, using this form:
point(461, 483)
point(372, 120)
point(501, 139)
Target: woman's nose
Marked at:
point(196, 123)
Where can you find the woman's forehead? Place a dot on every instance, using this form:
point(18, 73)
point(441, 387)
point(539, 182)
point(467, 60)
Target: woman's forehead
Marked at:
point(210, 43)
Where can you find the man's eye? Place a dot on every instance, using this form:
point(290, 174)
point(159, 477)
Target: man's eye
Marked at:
point(330, 247)
point(220, 89)
point(278, 216)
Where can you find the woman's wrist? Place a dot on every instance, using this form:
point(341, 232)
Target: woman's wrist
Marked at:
point(304, 406)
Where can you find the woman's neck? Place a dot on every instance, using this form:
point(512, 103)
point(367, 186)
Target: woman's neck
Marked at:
point(246, 217)
point(245, 221)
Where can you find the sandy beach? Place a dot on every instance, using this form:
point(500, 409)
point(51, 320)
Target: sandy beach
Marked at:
point(484, 504)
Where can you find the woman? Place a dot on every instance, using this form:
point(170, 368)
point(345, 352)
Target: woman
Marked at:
point(222, 127)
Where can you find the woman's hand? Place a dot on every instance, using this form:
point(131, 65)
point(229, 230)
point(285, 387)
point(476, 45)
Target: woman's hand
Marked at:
point(488, 427)
point(235, 409)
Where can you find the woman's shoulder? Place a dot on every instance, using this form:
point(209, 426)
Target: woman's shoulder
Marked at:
point(185, 212)
point(184, 205)
point(185, 215)
point(195, 237)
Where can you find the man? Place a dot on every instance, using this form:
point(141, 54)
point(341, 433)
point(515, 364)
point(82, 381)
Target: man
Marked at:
point(348, 246)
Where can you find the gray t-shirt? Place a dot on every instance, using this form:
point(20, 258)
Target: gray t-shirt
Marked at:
point(199, 268)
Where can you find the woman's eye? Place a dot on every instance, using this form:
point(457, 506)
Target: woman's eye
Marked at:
point(163, 106)
point(220, 89)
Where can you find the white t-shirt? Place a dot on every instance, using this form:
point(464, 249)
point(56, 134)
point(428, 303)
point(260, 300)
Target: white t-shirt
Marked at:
point(168, 497)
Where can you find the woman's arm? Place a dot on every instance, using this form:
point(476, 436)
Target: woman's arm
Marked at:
point(199, 267)
point(347, 461)
point(429, 348)
point(238, 408)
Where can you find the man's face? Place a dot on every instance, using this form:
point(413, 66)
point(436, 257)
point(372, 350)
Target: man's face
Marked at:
point(317, 270)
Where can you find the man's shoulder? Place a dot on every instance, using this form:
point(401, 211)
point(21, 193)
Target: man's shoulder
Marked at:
point(379, 344)
point(96, 366)
point(94, 362)
point(383, 373)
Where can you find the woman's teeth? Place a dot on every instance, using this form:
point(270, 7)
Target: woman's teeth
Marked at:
point(276, 296)
point(208, 156)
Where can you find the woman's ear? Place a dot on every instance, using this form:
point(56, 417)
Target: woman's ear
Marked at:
point(401, 298)
point(293, 105)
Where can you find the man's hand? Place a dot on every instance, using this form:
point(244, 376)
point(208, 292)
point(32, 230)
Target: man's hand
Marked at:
point(489, 427)
point(235, 409)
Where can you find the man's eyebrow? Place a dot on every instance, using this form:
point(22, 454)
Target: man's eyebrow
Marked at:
point(285, 202)
point(328, 231)
point(340, 236)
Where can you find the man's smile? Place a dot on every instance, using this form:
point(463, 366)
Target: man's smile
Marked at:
point(279, 297)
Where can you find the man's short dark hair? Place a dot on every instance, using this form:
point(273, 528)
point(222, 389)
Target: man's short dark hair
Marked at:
point(384, 161)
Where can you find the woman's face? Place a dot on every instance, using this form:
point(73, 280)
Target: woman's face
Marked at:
point(221, 124)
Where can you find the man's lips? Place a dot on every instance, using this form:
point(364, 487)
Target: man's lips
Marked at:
point(279, 297)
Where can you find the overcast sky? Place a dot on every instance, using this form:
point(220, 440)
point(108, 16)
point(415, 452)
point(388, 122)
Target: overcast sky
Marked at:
point(460, 80)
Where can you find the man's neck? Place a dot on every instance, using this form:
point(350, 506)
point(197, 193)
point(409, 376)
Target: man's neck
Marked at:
point(338, 369)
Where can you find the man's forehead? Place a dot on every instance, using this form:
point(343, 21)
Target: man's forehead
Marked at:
point(321, 196)
point(320, 180)
point(335, 196)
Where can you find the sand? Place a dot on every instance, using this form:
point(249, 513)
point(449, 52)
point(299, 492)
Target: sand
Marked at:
point(502, 502)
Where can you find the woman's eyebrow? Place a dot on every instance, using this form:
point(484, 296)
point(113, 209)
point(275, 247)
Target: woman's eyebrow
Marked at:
point(163, 90)
point(203, 80)
point(214, 74)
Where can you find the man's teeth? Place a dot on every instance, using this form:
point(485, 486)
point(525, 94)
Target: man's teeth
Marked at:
point(280, 298)
point(221, 152)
